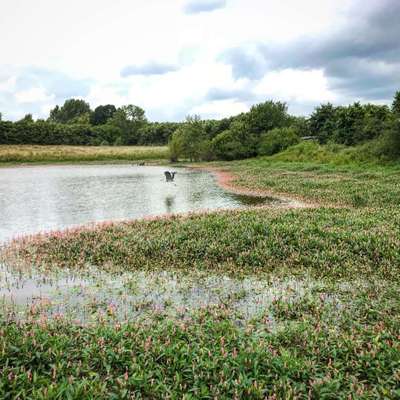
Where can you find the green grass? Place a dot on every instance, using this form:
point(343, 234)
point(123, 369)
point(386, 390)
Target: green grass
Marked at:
point(10, 154)
point(333, 153)
point(324, 242)
point(338, 340)
point(365, 185)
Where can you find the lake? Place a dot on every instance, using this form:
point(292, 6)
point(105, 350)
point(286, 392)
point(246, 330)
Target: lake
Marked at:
point(44, 198)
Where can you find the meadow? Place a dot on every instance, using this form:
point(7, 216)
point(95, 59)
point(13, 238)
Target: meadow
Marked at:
point(16, 154)
point(331, 331)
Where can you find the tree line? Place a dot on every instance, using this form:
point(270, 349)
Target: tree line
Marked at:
point(266, 129)
point(74, 123)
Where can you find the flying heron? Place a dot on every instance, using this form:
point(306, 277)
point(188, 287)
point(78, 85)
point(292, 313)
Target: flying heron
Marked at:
point(169, 176)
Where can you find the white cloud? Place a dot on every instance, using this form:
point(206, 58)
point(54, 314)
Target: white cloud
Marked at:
point(295, 85)
point(8, 85)
point(81, 47)
point(33, 95)
point(219, 109)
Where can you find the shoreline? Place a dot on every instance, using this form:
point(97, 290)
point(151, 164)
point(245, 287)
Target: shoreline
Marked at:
point(225, 180)
point(30, 164)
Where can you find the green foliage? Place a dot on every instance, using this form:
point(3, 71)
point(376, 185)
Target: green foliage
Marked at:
point(236, 143)
point(349, 125)
point(130, 120)
point(102, 114)
point(176, 145)
point(157, 133)
point(118, 141)
point(43, 132)
point(266, 116)
point(389, 143)
point(27, 118)
point(322, 122)
point(300, 125)
point(70, 112)
point(215, 127)
point(277, 140)
point(396, 104)
point(242, 136)
point(190, 141)
point(226, 146)
point(106, 133)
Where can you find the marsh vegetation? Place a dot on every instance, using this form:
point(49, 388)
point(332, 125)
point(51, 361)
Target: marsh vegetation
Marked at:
point(255, 303)
point(258, 303)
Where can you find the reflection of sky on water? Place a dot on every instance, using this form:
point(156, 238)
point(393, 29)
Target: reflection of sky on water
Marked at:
point(45, 198)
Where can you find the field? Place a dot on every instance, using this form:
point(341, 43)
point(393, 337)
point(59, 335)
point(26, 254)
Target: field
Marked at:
point(306, 300)
point(54, 154)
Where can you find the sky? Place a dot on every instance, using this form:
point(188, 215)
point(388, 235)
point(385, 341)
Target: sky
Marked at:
point(214, 58)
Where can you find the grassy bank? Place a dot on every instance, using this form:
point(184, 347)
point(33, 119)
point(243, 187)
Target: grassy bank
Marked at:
point(335, 337)
point(352, 185)
point(70, 154)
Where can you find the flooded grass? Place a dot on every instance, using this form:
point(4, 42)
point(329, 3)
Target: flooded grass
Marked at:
point(244, 304)
point(92, 295)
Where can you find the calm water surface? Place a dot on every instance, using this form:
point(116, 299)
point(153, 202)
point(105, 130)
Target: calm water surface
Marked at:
point(44, 198)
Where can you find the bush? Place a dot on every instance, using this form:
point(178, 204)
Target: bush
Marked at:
point(190, 141)
point(276, 140)
point(175, 146)
point(226, 147)
point(266, 116)
point(118, 141)
point(389, 143)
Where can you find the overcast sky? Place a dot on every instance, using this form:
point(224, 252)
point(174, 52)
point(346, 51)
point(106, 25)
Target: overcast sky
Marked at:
point(209, 57)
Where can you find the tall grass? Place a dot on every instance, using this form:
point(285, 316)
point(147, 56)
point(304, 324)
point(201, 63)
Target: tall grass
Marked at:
point(332, 153)
point(50, 154)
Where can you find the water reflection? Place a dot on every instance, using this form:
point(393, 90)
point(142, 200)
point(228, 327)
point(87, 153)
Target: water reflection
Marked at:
point(45, 198)
point(169, 203)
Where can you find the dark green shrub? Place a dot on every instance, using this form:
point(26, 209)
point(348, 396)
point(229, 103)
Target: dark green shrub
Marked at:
point(388, 144)
point(227, 147)
point(276, 140)
point(190, 141)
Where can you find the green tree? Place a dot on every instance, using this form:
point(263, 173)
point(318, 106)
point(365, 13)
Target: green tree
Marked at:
point(349, 123)
point(300, 125)
point(130, 120)
point(158, 133)
point(102, 114)
point(396, 103)
point(227, 147)
point(190, 141)
point(27, 118)
point(237, 142)
point(375, 122)
point(70, 111)
point(266, 116)
point(277, 140)
point(322, 122)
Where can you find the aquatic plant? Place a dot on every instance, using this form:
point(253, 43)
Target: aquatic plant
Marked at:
point(330, 330)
